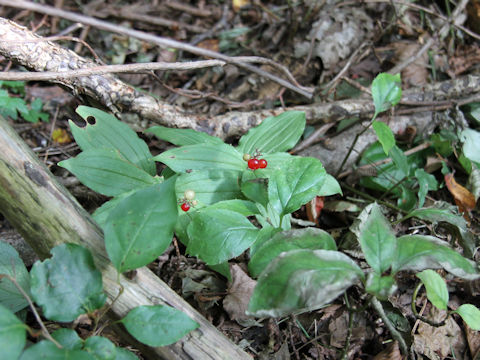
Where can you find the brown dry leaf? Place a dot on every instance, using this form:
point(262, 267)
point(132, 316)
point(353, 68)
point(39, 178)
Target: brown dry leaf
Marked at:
point(60, 136)
point(473, 12)
point(209, 44)
point(415, 74)
point(392, 352)
point(314, 208)
point(473, 339)
point(437, 343)
point(239, 293)
point(464, 199)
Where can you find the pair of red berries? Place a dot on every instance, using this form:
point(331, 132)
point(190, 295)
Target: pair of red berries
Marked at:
point(254, 163)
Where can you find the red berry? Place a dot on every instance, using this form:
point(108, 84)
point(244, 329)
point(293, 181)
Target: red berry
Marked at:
point(262, 163)
point(253, 164)
point(185, 206)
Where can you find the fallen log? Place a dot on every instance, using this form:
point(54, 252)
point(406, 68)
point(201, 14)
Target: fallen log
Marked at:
point(46, 215)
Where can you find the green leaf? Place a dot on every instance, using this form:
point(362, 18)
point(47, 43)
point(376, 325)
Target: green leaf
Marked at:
point(330, 187)
point(435, 214)
point(275, 134)
point(302, 280)
point(308, 238)
point(407, 199)
point(100, 348)
point(380, 286)
point(385, 135)
point(244, 207)
point(202, 157)
point(11, 264)
point(420, 252)
point(256, 190)
point(210, 186)
point(426, 182)
point(441, 145)
point(67, 284)
point(101, 214)
point(107, 172)
point(376, 237)
point(217, 235)
point(68, 338)
point(12, 334)
point(470, 314)
point(48, 350)
point(295, 184)
point(140, 227)
point(471, 144)
point(400, 160)
point(124, 354)
point(158, 325)
point(110, 133)
point(181, 137)
point(436, 287)
point(386, 91)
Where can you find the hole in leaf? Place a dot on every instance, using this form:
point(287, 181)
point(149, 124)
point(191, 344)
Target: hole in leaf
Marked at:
point(91, 120)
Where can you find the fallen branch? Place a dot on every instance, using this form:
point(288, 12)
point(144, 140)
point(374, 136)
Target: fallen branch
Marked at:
point(46, 215)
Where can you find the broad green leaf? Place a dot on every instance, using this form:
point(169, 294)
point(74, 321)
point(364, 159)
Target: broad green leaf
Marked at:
point(101, 214)
point(181, 137)
point(100, 348)
point(385, 135)
point(380, 286)
point(265, 234)
point(471, 144)
point(181, 225)
point(299, 181)
point(400, 160)
point(210, 186)
point(470, 314)
point(158, 325)
point(441, 145)
point(420, 252)
point(140, 227)
point(308, 238)
point(110, 133)
point(107, 172)
point(203, 157)
point(435, 214)
point(330, 187)
point(124, 354)
point(12, 334)
point(386, 91)
point(407, 199)
point(48, 350)
point(244, 207)
point(11, 264)
point(302, 280)
point(256, 190)
point(67, 284)
point(436, 287)
point(426, 182)
point(376, 237)
point(217, 235)
point(274, 134)
point(68, 338)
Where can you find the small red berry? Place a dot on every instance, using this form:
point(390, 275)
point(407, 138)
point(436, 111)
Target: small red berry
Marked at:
point(253, 164)
point(185, 206)
point(262, 163)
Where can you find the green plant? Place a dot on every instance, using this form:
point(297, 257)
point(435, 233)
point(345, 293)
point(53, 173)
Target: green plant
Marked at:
point(66, 286)
point(11, 106)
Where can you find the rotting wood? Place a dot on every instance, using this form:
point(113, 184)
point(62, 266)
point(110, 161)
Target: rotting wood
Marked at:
point(46, 215)
point(141, 110)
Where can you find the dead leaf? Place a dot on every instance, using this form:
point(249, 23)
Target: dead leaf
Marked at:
point(473, 339)
point(239, 293)
point(392, 352)
point(209, 44)
point(60, 136)
point(464, 199)
point(314, 208)
point(416, 74)
point(437, 343)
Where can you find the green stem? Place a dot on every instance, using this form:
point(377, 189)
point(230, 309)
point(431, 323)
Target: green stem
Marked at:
point(420, 317)
point(377, 305)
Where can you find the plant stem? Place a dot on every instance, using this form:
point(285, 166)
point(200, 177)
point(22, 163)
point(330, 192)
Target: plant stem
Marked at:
point(420, 317)
point(377, 305)
point(45, 332)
